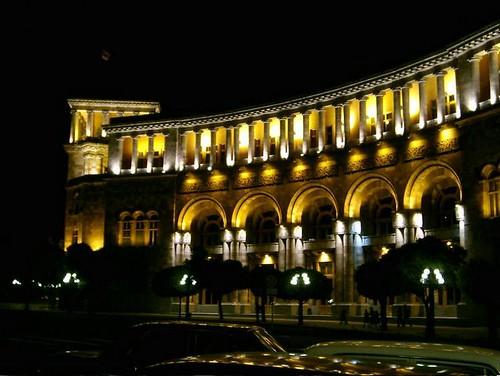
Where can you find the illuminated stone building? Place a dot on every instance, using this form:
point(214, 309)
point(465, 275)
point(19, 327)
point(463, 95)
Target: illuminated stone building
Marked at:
point(324, 181)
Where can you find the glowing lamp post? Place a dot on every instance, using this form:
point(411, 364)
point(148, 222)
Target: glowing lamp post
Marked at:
point(187, 284)
point(430, 281)
point(300, 282)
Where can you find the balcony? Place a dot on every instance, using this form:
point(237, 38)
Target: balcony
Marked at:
point(451, 232)
point(263, 248)
point(379, 240)
point(318, 245)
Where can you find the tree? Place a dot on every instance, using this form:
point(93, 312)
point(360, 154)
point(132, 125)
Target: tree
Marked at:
point(303, 284)
point(432, 254)
point(263, 281)
point(221, 278)
point(379, 280)
point(479, 275)
point(178, 281)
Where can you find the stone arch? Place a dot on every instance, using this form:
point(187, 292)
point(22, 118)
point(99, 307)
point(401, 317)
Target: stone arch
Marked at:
point(431, 172)
point(197, 206)
point(249, 202)
point(299, 199)
point(363, 186)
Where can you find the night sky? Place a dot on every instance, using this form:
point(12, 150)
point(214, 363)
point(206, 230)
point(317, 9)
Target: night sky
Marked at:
point(192, 58)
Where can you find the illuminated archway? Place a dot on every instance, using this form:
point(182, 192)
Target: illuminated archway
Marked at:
point(253, 201)
point(366, 186)
point(199, 206)
point(300, 199)
point(431, 172)
point(434, 189)
point(313, 207)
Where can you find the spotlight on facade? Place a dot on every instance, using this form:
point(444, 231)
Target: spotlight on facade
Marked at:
point(228, 236)
point(459, 212)
point(297, 232)
point(417, 220)
point(242, 236)
point(186, 239)
point(177, 238)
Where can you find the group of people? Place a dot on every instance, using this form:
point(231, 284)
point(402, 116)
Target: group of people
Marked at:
point(372, 317)
point(403, 316)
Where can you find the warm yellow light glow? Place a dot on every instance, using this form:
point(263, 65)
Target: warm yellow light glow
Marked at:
point(448, 133)
point(354, 115)
point(267, 260)
point(371, 108)
point(159, 143)
point(298, 127)
point(142, 145)
point(205, 139)
point(244, 135)
point(414, 102)
point(385, 150)
point(384, 251)
point(324, 257)
point(274, 128)
point(95, 241)
point(450, 86)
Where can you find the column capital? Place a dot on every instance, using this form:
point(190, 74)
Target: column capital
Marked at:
point(494, 49)
point(267, 121)
point(441, 73)
point(474, 58)
point(320, 109)
point(338, 106)
point(364, 98)
point(213, 130)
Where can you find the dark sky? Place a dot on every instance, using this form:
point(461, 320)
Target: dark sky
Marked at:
point(194, 58)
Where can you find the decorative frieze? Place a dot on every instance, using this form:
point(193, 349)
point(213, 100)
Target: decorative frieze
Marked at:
point(446, 146)
point(417, 151)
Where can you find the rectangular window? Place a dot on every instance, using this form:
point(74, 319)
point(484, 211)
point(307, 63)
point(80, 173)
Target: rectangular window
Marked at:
point(74, 236)
point(450, 104)
point(494, 195)
point(207, 154)
point(142, 159)
point(388, 122)
point(258, 148)
point(272, 146)
point(313, 138)
point(329, 135)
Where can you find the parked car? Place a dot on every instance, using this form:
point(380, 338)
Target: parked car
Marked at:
point(419, 355)
point(151, 342)
point(259, 364)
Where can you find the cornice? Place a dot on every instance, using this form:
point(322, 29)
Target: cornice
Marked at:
point(89, 104)
point(349, 91)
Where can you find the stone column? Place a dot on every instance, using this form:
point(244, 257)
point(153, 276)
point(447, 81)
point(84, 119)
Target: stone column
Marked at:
point(379, 121)
point(440, 97)
point(339, 134)
point(339, 288)
point(213, 143)
point(362, 120)
point(347, 122)
point(321, 129)
point(291, 138)
point(251, 142)
point(305, 132)
point(283, 151)
point(349, 239)
point(89, 126)
point(105, 117)
point(151, 138)
point(166, 166)
point(197, 149)
point(493, 70)
point(133, 163)
point(406, 108)
point(423, 102)
point(72, 135)
point(120, 155)
point(181, 151)
point(475, 82)
point(458, 96)
point(265, 144)
point(229, 147)
point(236, 144)
point(398, 126)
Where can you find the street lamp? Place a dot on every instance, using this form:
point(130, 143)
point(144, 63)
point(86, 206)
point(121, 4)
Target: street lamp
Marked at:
point(300, 281)
point(188, 285)
point(430, 281)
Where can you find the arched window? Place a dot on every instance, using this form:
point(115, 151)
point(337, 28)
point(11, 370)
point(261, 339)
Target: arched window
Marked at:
point(266, 227)
point(154, 225)
point(125, 224)
point(491, 190)
point(140, 227)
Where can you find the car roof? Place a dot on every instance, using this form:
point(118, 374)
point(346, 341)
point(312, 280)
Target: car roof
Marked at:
point(409, 349)
point(293, 364)
point(200, 324)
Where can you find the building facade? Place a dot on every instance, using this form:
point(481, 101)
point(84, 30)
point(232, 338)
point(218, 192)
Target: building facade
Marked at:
point(325, 181)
